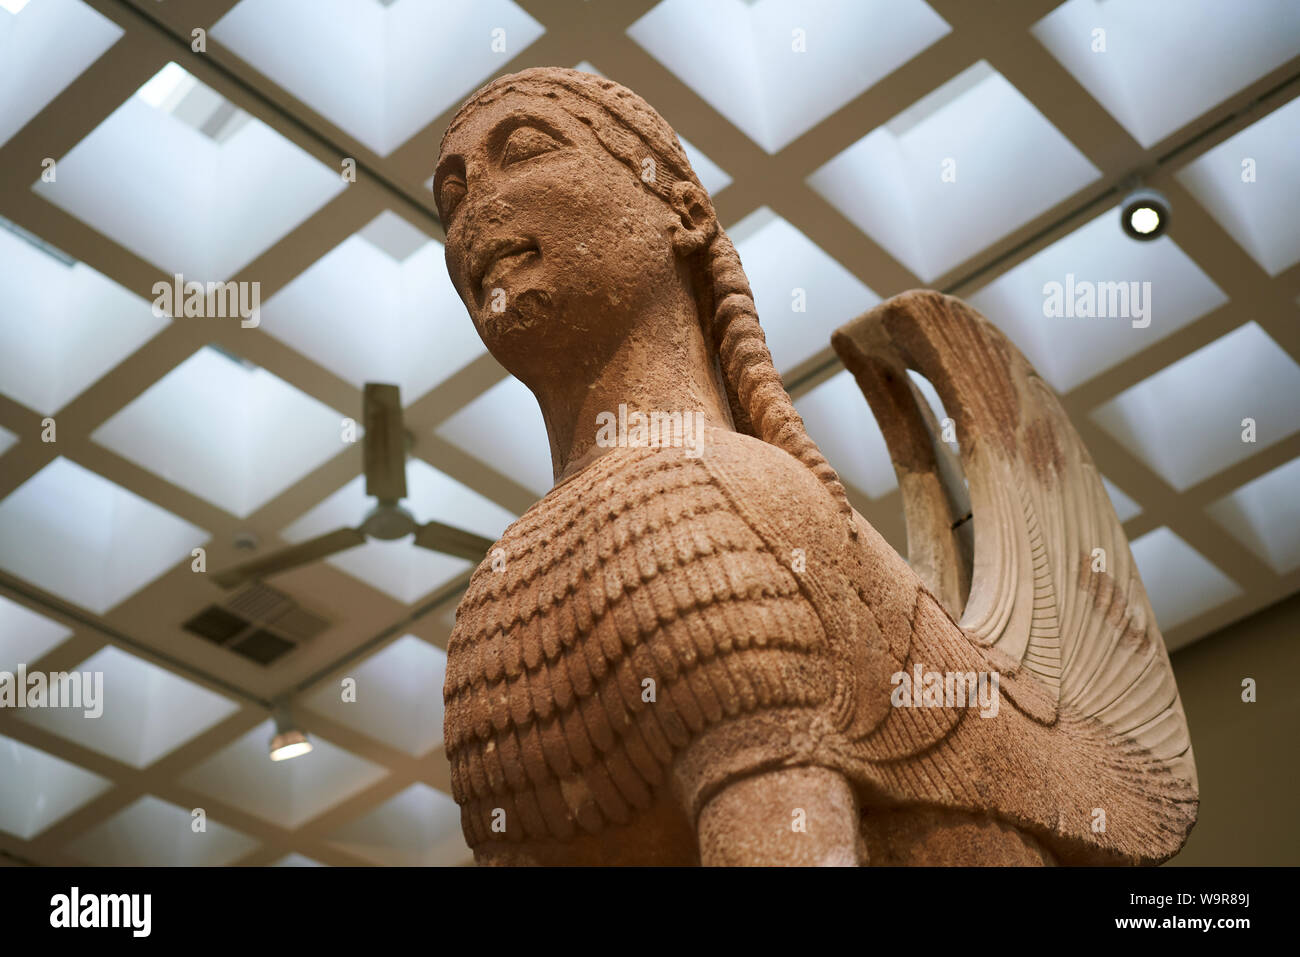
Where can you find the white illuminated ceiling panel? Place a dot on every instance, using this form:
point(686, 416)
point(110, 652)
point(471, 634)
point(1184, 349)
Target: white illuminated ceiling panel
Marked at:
point(399, 568)
point(1095, 298)
point(802, 294)
point(83, 538)
point(226, 430)
point(933, 187)
point(44, 46)
point(416, 827)
point(7, 440)
point(380, 307)
point(40, 789)
point(1156, 65)
point(504, 428)
point(147, 711)
point(154, 833)
point(1179, 581)
point(1250, 183)
point(88, 323)
point(25, 636)
point(185, 180)
point(778, 68)
point(1264, 515)
point(1186, 421)
point(380, 71)
point(398, 696)
point(286, 793)
point(839, 420)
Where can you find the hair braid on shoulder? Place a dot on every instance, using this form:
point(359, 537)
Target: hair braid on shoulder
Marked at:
point(754, 387)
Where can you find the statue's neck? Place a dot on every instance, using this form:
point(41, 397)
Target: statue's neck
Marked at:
point(661, 370)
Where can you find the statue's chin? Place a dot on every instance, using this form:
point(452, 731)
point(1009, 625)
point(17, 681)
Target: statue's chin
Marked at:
point(516, 332)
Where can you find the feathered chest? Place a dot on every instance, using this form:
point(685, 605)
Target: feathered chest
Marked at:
point(626, 612)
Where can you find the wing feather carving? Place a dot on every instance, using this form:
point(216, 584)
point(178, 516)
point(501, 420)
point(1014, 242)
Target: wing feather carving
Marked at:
point(1053, 592)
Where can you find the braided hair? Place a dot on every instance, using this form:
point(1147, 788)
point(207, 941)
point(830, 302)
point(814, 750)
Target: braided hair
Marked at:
point(632, 131)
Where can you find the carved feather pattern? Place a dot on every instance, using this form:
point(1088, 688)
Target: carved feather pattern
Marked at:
point(648, 576)
point(1054, 594)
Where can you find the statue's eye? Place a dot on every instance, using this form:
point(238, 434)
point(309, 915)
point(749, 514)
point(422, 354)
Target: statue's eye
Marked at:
point(450, 194)
point(525, 143)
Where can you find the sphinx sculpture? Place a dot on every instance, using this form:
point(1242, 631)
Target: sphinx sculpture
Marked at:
point(697, 651)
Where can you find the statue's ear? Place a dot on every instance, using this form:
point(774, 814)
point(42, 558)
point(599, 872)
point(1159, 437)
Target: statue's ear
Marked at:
point(696, 221)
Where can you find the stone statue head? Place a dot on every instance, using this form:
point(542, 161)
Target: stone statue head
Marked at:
point(570, 208)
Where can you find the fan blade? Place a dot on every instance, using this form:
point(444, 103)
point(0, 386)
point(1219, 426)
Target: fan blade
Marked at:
point(438, 537)
point(303, 553)
point(385, 443)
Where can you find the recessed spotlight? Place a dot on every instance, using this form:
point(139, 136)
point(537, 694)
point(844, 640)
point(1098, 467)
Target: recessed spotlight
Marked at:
point(13, 6)
point(1145, 214)
point(289, 741)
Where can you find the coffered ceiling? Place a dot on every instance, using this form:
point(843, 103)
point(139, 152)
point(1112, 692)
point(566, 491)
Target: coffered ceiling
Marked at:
point(821, 128)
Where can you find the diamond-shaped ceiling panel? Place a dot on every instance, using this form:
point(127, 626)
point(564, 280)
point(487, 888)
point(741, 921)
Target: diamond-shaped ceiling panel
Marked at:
point(79, 536)
point(398, 700)
point(802, 294)
point(933, 188)
point(416, 827)
point(1158, 64)
point(154, 833)
point(504, 428)
point(1245, 183)
point(146, 711)
point(379, 307)
point(43, 47)
point(39, 788)
point(1179, 581)
point(183, 180)
point(778, 68)
point(1113, 296)
point(1264, 515)
point(1187, 420)
point(228, 431)
point(380, 71)
point(26, 636)
point(286, 793)
point(399, 568)
point(88, 323)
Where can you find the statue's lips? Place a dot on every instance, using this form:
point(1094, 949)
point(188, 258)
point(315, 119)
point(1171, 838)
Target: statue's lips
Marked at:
point(499, 258)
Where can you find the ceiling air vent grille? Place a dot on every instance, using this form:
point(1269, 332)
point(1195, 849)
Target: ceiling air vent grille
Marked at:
point(258, 623)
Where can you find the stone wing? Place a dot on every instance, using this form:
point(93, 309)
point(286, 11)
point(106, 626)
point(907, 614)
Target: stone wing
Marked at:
point(1032, 563)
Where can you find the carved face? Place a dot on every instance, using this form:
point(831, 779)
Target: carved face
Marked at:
point(551, 240)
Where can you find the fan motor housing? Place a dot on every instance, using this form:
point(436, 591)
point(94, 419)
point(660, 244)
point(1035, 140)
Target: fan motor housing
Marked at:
point(388, 521)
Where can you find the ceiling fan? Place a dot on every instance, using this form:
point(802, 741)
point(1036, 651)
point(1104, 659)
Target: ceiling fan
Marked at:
point(384, 447)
